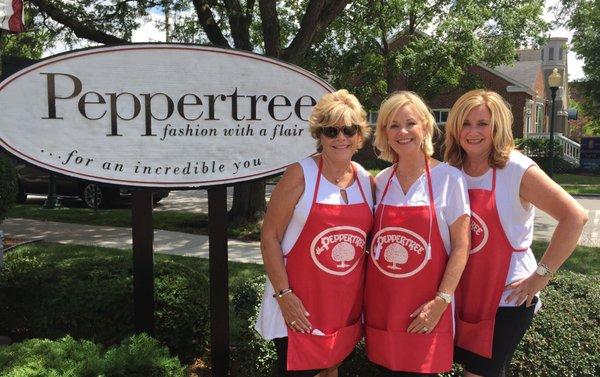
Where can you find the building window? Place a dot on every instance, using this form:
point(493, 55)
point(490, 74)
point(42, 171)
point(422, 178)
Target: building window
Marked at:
point(539, 117)
point(441, 116)
point(542, 54)
point(551, 53)
point(560, 53)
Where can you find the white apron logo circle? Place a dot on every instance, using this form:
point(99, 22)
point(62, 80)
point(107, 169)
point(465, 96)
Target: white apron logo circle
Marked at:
point(399, 252)
point(338, 250)
point(479, 233)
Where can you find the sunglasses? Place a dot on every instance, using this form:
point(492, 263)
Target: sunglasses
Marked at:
point(333, 131)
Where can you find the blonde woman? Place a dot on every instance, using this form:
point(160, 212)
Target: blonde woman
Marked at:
point(419, 246)
point(313, 244)
point(496, 297)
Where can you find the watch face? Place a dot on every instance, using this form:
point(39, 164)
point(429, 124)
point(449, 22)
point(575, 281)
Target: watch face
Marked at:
point(540, 270)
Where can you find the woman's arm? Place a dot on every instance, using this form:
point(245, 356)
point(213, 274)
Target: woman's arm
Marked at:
point(429, 314)
point(279, 212)
point(541, 191)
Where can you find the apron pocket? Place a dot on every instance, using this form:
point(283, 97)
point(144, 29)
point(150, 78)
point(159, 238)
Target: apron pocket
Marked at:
point(408, 352)
point(308, 351)
point(476, 337)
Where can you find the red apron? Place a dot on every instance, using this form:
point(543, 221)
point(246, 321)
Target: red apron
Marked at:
point(326, 270)
point(482, 283)
point(407, 263)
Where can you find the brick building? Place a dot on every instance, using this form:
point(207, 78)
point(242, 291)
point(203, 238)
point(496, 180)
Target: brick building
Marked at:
point(523, 84)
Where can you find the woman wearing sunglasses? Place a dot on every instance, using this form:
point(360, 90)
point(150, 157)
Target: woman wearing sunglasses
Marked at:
point(419, 245)
point(313, 244)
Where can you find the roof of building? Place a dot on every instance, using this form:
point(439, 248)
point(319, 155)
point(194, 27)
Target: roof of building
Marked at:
point(524, 72)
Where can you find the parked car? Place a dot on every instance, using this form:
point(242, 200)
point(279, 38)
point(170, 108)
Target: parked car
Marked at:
point(33, 180)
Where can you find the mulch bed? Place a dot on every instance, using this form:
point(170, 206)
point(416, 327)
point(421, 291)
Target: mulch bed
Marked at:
point(9, 241)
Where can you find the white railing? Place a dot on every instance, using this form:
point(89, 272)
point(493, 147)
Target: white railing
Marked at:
point(570, 148)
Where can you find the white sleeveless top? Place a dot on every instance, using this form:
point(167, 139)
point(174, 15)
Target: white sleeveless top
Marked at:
point(449, 190)
point(516, 220)
point(270, 323)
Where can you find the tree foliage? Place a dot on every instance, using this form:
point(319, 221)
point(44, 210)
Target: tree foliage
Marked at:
point(584, 20)
point(429, 43)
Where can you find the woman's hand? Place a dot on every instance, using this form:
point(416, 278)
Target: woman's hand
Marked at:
point(294, 313)
point(525, 290)
point(427, 316)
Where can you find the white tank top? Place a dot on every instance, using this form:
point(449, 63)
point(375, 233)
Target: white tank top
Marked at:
point(270, 323)
point(516, 220)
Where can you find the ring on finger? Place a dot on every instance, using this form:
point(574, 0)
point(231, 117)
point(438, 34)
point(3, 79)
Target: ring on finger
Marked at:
point(292, 323)
point(425, 329)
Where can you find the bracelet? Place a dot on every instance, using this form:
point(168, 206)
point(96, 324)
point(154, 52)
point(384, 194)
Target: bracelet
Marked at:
point(282, 293)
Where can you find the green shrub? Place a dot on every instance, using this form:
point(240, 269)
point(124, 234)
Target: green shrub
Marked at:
point(539, 150)
point(8, 186)
point(253, 355)
point(139, 355)
point(87, 293)
point(563, 341)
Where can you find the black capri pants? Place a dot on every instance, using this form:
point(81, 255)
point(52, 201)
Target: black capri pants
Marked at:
point(281, 346)
point(511, 325)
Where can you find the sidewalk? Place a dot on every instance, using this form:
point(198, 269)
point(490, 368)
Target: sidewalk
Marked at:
point(165, 242)
point(176, 243)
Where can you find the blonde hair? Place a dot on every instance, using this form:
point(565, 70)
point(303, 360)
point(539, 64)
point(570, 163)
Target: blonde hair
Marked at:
point(501, 123)
point(388, 110)
point(335, 106)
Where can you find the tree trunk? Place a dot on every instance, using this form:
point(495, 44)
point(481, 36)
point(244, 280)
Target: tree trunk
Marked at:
point(249, 203)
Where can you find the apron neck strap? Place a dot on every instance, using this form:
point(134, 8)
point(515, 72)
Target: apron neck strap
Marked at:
point(320, 171)
point(362, 192)
point(429, 185)
point(318, 180)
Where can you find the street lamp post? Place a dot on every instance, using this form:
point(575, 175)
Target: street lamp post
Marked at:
point(554, 81)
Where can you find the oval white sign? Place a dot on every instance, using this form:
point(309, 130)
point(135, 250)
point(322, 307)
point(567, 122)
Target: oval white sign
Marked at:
point(160, 115)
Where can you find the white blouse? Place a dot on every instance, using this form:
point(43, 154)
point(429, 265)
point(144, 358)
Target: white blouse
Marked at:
point(270, 323)
point(449, 190)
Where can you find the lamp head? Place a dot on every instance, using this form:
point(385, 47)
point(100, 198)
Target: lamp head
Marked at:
point(555, 79)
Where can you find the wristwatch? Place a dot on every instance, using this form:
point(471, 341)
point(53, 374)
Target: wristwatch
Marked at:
point(445, 296)
point(543, 270)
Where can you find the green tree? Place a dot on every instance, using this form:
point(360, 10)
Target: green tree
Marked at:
point(284, 30)
point(426, 45)
point(584, 20)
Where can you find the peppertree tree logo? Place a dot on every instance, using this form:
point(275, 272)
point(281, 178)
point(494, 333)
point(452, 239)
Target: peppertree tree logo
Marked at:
point(479, 233)
point(338, 250)
point(398, 252)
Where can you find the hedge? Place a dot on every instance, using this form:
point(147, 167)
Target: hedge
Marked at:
point(137, 356)
point(563, 341)
point(50, 294)
point(8, 186)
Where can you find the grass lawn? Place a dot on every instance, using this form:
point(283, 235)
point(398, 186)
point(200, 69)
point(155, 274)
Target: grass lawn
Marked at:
point(584, 260)
point(186, 222)
point(168, 220)
point(576, 184)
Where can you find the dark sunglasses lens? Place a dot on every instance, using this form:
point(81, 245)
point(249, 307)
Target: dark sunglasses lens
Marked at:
point(330, 131)
point(350, 130)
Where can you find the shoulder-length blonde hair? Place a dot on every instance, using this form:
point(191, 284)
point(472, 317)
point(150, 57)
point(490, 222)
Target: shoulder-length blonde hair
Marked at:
point(335, 106)
point(388, 110)
point(501, 123)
